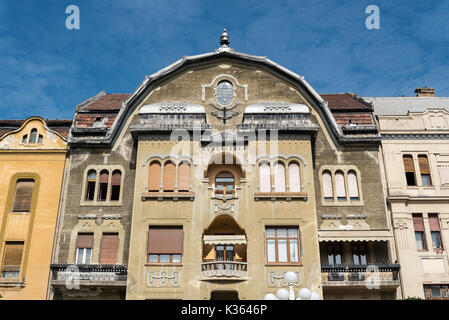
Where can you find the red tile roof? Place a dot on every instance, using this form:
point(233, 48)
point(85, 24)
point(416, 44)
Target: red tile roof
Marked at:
point(346, 101)
point(358, 118)
point(86, 120)
point(105, 102)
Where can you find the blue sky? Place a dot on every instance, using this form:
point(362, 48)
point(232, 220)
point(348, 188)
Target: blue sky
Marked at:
point(46, 69)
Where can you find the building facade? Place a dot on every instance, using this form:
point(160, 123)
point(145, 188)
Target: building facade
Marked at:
point(33, 159)
point(415, 157)
point(219, 174)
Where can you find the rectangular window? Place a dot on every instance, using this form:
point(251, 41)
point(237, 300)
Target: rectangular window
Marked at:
point(425, 170)
point(334, 254)
point(435, 232)
point(436, 291)
point(409, 168)
point(109, 248)
point(359, 254)
point(282, 245)
point(84, 245)
point(12, 259)
point(23, 195)
point(165, 244)
point(418, 225)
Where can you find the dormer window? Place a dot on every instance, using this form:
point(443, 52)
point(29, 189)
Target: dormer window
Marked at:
point(34, 137)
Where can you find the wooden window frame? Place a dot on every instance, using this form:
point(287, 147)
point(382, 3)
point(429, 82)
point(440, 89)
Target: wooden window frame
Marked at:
point(404, 156)
point(424, 156)
point(356, 251)
point(275, 238)
point(425, 245)
point(169, 254)
point(444, 290)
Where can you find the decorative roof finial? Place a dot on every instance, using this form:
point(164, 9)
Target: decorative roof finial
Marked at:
point(224, 38)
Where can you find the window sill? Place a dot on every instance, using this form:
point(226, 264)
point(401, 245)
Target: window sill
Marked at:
point(100, 204)
point(5, 282)
point(281, 196)
point(168, 195)
point(163, 264)
point(342, 203)
point(283, 264)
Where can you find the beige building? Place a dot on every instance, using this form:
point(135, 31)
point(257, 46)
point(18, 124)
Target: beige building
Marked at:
point(216, 176)
point(415, 157)
point(33, 158)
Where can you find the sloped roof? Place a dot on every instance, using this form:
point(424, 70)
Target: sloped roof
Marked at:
point(403, 105)
point(346, 101)
point(103, 102)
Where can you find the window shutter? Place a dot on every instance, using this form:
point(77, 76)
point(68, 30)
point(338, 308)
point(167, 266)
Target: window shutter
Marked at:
point(109, 249)
point(154, 179)
point(327, 185)
point(184, 177)
point(169, 177)
point(340, 184)
point(165, 240)
point(24, 195)
point(116, 178)
point(352, 185)
point(294, 177)
point(279, 177)
point(423, 164)
point(265, 177)
point(104, 177)
point(85, 241)
point(408, 163)
point(433, 222)
point(13, 254)
point(418, 223)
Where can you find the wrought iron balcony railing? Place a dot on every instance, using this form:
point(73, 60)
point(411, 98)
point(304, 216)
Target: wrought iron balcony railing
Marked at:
point(88, 274)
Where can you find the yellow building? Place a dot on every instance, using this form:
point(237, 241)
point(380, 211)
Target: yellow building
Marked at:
point(33, 158)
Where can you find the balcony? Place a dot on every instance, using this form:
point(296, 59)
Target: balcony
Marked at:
point(374, 276)
point(89, 275)
point(224, 270)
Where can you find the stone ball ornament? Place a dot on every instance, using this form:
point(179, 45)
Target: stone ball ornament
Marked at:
point(304, 294)
point(282, 294)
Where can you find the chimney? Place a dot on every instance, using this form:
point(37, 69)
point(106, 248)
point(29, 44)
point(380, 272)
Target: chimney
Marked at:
point(425, 92)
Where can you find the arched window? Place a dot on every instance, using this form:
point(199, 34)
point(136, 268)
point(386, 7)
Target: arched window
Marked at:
point(154, 177)
point(279, 177)
point(353, 187)
point(184, 177)
point(90, 187)
point(33, 136)
point(224, 182)
point(294, 177)
point(327, 186)
point(115, 185)
point(103, 190)
point(340, 185)
point(265, 177)
point(169, 176)
point(25, 139)
point(40, 139)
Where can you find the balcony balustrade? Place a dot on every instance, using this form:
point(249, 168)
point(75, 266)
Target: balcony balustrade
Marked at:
point(108, 275)
point(224, 269)
point(373, 275)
